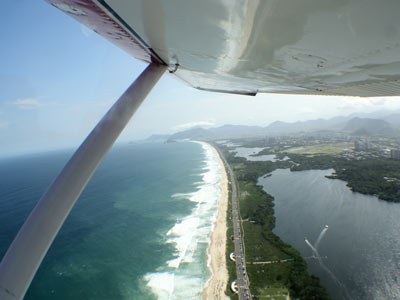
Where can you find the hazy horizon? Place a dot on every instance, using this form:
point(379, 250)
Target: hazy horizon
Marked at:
point(371, 115)
point(56, 147)
point(60, 78)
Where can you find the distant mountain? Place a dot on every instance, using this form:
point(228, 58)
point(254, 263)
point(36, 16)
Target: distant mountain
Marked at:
point(157, 138)
point(393, 119)
point(333, 124)
point(193, 133)
point(379, 114)
point(223, 132)
point(376, 123)
point(371, 123)
point(238, 131)
point(366, 126)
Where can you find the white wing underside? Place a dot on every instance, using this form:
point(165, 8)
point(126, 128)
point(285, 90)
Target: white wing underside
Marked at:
point(320, 47)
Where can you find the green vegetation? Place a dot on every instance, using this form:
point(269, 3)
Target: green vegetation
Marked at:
point(261, 244)
point(375, 177)
point(368, 173)
point(230, 247)
point(323, 148)
point(329, 149)
point(365, 172)
point(379, 176)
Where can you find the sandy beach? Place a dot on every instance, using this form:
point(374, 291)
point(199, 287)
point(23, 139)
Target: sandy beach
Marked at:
point(215, 288)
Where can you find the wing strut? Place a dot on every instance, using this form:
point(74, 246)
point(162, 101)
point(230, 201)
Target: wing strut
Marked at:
point(26, 252)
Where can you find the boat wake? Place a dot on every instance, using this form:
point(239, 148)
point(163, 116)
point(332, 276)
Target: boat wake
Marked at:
point(317, 256)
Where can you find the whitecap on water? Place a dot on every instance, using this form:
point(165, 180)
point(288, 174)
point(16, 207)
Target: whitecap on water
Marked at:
point(185, 274)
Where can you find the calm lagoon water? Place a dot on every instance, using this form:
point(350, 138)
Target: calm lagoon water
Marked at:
point(360, 250)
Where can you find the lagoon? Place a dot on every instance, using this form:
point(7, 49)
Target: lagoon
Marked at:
point(360, 250)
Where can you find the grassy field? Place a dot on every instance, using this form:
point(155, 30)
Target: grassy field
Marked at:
point(273, 294)
point(330, 149)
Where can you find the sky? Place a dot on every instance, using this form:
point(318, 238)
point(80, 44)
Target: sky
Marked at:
point(58, 78)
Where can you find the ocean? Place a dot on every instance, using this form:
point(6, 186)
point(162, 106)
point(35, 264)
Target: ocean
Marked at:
point(140, 230)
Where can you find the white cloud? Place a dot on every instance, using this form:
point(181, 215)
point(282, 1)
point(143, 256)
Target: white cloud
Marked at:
point(369, 104)
point(189, 125)
point(62, 106)
point(27, 103)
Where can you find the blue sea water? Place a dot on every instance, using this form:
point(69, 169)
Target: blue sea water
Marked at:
point(140, 230)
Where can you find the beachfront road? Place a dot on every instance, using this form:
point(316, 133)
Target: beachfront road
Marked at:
point(242, 279)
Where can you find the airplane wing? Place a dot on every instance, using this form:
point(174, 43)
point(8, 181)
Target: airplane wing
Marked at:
point(316, 47)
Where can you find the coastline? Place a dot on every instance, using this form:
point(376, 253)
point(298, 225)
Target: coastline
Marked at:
point(215, 287)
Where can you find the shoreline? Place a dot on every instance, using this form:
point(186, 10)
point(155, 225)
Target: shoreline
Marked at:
point(215, 287)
